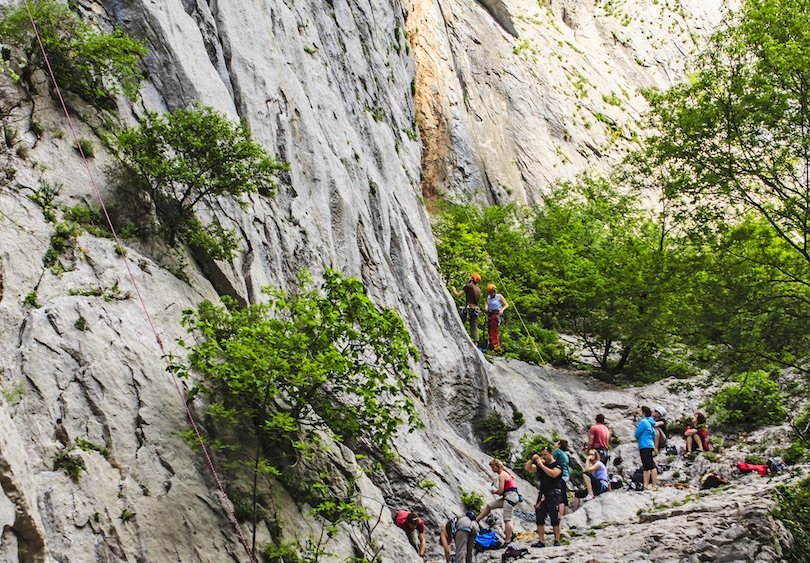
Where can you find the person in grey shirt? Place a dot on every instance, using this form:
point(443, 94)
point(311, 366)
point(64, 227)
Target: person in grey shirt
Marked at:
point(463, 531)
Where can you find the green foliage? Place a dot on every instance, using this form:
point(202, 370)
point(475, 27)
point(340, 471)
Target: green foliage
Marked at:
point(795, 453)
point(472, 500)
point(320, 359)
point(427, 484)
point(13, 393)
point(72, 465)
point(189, 157)
point(89, 446)
point(793, 509)
point(86, 147)
point(44, 196)
point(713, 457)
point(518, 419)
point(93, 64)
point(494, 433)
point(90, 218)
point(755, 459)
point(63, 240)
point(290, 552)
point(752, 402)
point(81, 324)
point(32, 299)
point(126, 515)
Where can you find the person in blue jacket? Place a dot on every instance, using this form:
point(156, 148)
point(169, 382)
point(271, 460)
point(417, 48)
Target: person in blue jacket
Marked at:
point(645, 436)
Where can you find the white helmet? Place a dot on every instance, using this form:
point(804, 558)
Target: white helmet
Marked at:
point(661, 411)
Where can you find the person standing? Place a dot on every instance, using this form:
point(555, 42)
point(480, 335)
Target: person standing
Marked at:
point(506, 489)
point(645, 436)
point(414, 528)
point(564, 461)
point(496, 305)
point(462, 530)
point(550, 496)
point(599, 438)
point(471, 309)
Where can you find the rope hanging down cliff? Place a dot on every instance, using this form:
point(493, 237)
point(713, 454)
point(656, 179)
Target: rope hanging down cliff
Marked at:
point(164, 355)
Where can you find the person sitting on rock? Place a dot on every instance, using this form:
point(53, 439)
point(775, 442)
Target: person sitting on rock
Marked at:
point(414, 528)
point(597, 481)
point(471, 311)
point(697, 435)
point(660, 415)
point(550, 496)
point(599, 438)
point(462, 530)
point(506, 489)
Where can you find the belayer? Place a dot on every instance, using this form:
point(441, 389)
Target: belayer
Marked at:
point(471, 308)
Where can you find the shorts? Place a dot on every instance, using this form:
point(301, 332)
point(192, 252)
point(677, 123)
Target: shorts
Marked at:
point(647, 461)
point(507, 502)
point(549, 508)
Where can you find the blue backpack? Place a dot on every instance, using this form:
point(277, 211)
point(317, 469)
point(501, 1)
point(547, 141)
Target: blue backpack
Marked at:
point(487, 539)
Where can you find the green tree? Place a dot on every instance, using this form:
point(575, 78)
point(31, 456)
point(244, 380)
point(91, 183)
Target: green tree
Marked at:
point(317, 359)
point(190, 157)
point(752, 402)
point(91, 63)
point(736, 134)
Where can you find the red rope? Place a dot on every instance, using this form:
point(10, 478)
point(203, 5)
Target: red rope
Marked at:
point(189, 415)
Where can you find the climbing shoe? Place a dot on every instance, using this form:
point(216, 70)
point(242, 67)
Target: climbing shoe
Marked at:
point(538, 544)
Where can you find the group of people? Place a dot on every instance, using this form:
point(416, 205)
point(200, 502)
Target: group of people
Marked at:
point(552, 467)
point(494, 308)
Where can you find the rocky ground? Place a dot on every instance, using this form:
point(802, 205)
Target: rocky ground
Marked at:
point(676, 523)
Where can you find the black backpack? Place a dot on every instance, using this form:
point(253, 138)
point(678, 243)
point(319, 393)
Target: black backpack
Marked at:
point(513, 553)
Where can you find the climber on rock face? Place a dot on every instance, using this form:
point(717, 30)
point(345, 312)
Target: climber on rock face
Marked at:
point(462, 531)
point(506, 489)
point(471, 311)
point(496, 305)
point(414, 528)
point(550, 497)
point(645, 436)
point(599, 438)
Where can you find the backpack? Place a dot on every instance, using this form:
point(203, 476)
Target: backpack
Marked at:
point(453, 524)
point(776, 464)
point(638, 476)
point(487, 539)
point(712, 480)
point(513, 553)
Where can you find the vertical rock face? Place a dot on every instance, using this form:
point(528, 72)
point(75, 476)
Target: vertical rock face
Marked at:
point(327, 87)
point(513, 95)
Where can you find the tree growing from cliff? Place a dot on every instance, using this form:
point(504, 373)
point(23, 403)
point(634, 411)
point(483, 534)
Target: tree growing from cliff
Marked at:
point(91, 63)
point(319, 359)
point(189, 157)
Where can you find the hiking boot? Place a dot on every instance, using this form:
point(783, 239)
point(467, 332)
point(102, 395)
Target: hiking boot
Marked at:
point(538, 544)
point(556, 543)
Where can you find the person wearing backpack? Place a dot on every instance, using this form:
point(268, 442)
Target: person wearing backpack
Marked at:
point(462, 531)
point(470, 312)
point(506, 489)
point(564, 461)
point(550, 496)
point(645, 436)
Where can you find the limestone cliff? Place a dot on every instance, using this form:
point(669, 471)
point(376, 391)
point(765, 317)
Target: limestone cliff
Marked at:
point(336, 88)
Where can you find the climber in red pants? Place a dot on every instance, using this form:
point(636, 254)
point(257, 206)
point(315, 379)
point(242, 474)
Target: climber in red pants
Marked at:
point(496, 305)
